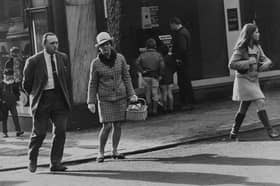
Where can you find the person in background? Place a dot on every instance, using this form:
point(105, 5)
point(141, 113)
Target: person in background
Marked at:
point(15, 64)
point(248, 59)
point(109, 87)
point(181, 51)
point(47, 81)
point(166, 83)
point(150, 64)
point(8, 100)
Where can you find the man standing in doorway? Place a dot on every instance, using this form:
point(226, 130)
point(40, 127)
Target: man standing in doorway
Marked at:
point(181, 52)
point(47, 80)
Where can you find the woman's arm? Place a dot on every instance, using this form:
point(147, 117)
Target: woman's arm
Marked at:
point(237, 61)
point(92, 84)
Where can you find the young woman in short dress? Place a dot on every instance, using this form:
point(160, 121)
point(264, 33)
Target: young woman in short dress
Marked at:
point(248, 59)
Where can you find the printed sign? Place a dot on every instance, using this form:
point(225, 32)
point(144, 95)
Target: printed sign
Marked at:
point(150, 18)
point(232, 18)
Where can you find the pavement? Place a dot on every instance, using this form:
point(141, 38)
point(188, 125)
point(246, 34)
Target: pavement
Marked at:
point(210, 119)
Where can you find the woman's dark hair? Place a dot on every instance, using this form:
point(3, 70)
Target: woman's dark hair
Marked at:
point(246, 35)
point(151, 43)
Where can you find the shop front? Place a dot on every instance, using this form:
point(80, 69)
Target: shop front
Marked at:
point(142, 19)
point(214, 26)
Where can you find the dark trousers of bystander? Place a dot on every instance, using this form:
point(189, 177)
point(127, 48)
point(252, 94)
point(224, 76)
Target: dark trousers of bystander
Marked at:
point(185, 86)
point(5, 110)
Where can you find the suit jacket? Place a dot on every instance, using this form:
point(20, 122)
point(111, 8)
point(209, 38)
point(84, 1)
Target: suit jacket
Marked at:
point(35, 78)
point(181, 45)
point(109, 84)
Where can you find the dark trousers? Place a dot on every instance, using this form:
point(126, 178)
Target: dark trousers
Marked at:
point(52, 107)
point(185, 86)
point(13, 109)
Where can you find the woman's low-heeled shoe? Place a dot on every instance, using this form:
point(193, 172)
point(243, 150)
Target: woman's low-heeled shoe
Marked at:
point(273, 133)
point(100, 159)
point(233, 136)
point(118, 156)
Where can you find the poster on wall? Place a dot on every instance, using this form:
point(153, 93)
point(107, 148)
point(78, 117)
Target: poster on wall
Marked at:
point(150, 17)
point(232, 18)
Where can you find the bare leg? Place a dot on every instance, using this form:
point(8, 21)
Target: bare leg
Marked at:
point(170, 98)
point(103, 136)
point(164, 96)
point(116, 135)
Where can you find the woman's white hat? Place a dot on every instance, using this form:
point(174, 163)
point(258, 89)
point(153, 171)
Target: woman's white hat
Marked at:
point(102, 37)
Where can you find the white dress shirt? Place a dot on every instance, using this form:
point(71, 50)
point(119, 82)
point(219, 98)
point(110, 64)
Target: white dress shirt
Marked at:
point(50, 82)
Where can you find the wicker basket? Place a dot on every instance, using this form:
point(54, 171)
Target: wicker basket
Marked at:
point(137, 111)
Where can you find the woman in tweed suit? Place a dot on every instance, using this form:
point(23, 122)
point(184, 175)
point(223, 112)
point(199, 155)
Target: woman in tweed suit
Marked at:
point(110, 87)
point(248, 59)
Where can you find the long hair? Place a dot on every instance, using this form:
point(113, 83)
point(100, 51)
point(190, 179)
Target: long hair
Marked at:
point(245, 36)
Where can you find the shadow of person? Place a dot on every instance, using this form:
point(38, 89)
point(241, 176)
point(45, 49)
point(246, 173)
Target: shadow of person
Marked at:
point(9, 182)
point(214, 159)
point(187, 178)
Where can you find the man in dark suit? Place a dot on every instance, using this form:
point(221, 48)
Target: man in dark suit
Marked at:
point(47, 80)
point(181, 50)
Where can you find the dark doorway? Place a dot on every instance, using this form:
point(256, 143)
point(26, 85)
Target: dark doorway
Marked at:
point(267, 16)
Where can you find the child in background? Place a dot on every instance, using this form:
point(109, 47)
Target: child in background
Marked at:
point(166, 83)
point(150, 64)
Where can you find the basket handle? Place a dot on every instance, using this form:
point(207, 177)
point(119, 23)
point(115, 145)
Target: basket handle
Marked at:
point(140, 100)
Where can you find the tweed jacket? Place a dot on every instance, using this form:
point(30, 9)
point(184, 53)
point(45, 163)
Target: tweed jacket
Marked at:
point(109, 83)
point(35, 78)
point(240, 62)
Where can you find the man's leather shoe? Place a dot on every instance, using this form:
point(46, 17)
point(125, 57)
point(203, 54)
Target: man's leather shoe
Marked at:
point(58, 168)
point(32, 166)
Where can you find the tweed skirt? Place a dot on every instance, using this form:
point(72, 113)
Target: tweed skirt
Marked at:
point(246, 90)
point(112, 111)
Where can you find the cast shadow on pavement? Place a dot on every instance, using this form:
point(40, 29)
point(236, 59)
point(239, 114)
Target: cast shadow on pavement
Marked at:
point(212, 159)
point(192, 178)
point(10, 183)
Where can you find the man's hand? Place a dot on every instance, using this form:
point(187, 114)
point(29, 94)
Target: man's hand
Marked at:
point(91, 107)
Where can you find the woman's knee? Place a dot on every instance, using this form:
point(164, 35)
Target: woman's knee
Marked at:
point(106, 126)
point(260, 104)
point(117, 125)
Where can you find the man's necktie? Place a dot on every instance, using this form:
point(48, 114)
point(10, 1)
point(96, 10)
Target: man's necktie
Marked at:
point(55, 78)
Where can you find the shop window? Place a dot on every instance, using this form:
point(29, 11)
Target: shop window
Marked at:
point(38, 24)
